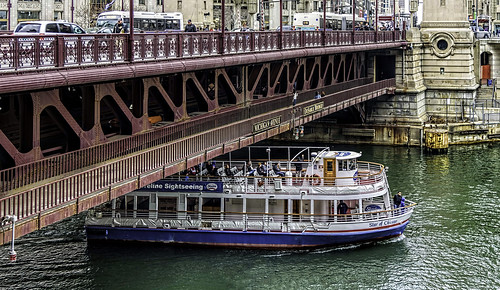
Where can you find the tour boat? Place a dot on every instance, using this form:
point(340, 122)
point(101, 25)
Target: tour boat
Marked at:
point(318, 197)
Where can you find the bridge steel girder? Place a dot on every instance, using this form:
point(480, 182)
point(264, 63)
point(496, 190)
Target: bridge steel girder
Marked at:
point(183, 96)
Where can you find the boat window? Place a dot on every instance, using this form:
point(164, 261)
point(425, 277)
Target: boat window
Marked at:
point(342, 165)
point(352, 164)
point(143, 202)
point(329, 166)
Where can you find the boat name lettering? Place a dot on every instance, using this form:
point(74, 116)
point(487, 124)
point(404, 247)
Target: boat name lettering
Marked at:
point(197, 187)
point(264, 125)
point(382, 223)
point(313, 108)
point(185, 186)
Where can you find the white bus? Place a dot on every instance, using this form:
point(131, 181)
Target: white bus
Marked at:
point(314, 21)
point(143, 21)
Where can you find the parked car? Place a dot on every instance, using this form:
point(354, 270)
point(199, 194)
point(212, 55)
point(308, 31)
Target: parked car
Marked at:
point(48, 27)
point(480, 32)
point(242, 29)
point(285, 28)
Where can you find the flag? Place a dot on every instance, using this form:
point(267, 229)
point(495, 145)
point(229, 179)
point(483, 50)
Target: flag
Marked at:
point(109, 5)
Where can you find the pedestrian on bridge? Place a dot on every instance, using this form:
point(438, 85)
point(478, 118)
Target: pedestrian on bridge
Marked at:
point(190, 27)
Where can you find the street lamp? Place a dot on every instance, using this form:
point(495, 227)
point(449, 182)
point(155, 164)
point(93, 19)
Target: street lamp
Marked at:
point(131, 31)
point(9, 5)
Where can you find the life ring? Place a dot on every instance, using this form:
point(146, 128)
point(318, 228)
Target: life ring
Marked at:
point(315, 179)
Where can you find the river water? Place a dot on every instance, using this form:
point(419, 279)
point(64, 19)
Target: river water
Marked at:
point(452, 242)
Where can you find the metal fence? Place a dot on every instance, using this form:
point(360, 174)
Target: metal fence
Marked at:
point(29, 53)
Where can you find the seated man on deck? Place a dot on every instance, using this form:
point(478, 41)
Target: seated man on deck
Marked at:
point(277, 170)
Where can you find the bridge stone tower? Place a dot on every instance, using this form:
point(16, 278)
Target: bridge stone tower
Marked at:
point(447, 60)
point(435, 74)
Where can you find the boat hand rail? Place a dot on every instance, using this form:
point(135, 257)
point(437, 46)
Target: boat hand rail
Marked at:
point(217, 215)
point(374, 171)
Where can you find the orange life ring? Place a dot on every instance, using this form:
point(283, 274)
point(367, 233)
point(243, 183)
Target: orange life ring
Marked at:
point(315, 180)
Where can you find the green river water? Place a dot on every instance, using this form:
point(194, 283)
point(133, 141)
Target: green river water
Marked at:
point(452, 242)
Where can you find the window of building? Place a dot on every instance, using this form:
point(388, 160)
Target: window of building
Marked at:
point(179, 5)
point(285, 5)
point(3, 14)
point(294, 5)
point(315, 6)
point(443, 3)
point(57, 15)
point(159, 2)
point(28, 15)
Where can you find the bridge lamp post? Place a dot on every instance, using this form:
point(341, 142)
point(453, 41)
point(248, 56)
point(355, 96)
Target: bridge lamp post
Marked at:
point(9, 5)
point(324, 22)
point(72, 10)
point(131, 31)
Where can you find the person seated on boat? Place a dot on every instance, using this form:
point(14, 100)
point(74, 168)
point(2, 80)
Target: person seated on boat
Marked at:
point(250, 169)
point(397, 199)
point(192, 171)
point(402, 204)
point(211, 168)
point(261, 169)
point(228, 171)
point(277, 170)
point(342, 208)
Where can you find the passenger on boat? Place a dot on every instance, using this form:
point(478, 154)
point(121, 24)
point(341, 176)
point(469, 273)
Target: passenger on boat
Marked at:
point(228, 171)
point(261, 170)
point(397, 199)
point(250, 169)
point(298, 165)
point(211, 168)
point(277, 170)
point(342, 207)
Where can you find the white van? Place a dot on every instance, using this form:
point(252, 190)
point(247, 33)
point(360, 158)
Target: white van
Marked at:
point(48, 27)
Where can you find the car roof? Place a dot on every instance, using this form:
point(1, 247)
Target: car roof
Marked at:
point(44, 21)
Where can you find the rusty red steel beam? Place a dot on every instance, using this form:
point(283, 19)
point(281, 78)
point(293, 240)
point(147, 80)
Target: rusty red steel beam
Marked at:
point(47, 203)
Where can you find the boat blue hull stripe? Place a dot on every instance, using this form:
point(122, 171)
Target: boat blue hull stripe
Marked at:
point(241, 239)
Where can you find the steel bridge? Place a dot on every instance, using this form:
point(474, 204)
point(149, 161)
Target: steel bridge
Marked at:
point(85, 119)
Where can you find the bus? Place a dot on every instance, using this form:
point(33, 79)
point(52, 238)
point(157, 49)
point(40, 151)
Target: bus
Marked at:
point(314, 21)
point(143, 21)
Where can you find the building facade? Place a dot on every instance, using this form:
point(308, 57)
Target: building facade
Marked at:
point(256, 14)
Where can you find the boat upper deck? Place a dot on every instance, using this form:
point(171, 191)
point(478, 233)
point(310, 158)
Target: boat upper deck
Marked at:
point(320, 174)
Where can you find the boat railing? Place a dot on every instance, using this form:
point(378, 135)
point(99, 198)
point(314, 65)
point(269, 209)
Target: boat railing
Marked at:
point(369, 178)
point(240, 221)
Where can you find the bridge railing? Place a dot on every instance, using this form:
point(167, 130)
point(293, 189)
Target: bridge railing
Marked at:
point(25, 53)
